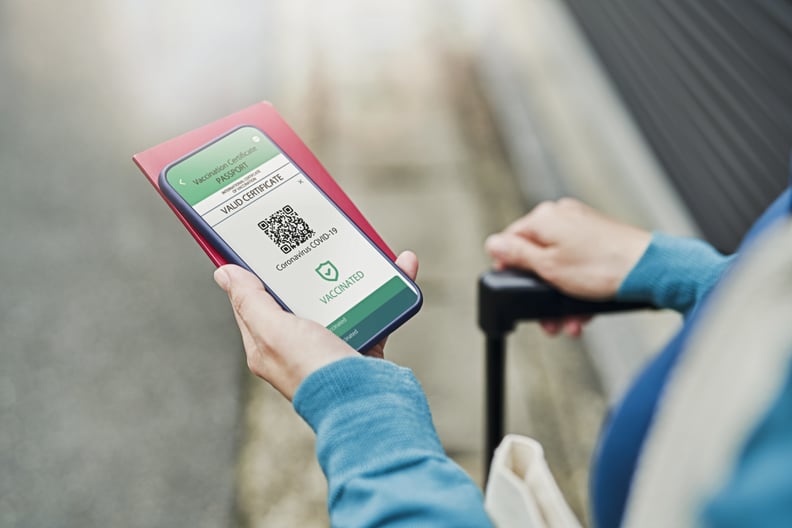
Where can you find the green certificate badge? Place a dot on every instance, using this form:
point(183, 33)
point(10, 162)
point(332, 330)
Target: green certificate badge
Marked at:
point(327, 271)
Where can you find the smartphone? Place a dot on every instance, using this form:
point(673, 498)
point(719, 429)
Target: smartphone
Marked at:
point(259, 210)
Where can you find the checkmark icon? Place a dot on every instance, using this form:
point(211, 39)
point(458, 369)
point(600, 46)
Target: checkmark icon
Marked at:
point(327, 271)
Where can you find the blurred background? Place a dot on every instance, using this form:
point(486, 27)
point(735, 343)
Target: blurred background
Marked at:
point(124, 396)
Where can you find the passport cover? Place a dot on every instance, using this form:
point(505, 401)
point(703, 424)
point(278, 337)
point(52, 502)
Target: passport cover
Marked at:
point(263, 116)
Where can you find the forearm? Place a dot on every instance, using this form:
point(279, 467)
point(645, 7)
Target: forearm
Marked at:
point(378, 449)
point(674, 272)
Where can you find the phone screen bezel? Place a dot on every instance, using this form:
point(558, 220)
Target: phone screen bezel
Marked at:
point(228, 253)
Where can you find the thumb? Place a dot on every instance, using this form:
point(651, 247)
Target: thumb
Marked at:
point(247, 294)
point(513, 251)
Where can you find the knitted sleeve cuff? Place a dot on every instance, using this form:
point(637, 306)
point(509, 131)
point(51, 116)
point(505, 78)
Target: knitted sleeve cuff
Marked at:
point(674, 272)
point(368, 415)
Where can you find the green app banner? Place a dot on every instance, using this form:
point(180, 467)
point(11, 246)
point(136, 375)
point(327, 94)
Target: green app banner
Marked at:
point(220, 164)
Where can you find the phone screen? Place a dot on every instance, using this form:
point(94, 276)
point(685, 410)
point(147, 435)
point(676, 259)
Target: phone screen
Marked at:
point(299, 243)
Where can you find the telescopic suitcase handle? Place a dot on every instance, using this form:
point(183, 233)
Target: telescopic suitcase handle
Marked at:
point(504, 299)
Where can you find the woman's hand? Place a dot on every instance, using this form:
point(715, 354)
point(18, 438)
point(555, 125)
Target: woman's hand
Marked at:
point(282, 348)
point(573, 247)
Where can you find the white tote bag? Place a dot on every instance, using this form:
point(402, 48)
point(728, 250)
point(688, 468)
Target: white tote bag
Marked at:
point(521, 491)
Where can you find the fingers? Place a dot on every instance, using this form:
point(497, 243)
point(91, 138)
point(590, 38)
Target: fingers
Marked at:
point(541, 224)
point(551, 327)
point(408, 262)
point(513, 251)
point(378, 350)
point(530, 226)
point(571, 326)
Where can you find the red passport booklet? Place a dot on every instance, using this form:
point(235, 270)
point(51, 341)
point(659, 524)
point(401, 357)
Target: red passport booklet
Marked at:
point(264, 117)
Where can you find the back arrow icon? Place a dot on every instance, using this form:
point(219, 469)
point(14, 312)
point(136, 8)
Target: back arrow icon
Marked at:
point(181, 182)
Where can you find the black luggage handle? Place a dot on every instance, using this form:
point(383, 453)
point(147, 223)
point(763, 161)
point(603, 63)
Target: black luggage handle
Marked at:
point(507, 297)
point(504, 299)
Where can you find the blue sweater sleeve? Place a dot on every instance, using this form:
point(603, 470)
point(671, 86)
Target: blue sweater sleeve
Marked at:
point(674, 272)
point(378, 448)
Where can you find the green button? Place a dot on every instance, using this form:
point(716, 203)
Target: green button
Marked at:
point(384, 315)
point(368, 306)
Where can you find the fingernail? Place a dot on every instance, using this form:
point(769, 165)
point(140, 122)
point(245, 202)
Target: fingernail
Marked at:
point(222, 279)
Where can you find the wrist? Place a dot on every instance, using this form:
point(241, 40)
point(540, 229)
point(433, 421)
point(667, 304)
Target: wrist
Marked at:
point(298, 372)
point(632, 246)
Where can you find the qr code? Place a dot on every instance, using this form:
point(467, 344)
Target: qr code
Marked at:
point(286, 228)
